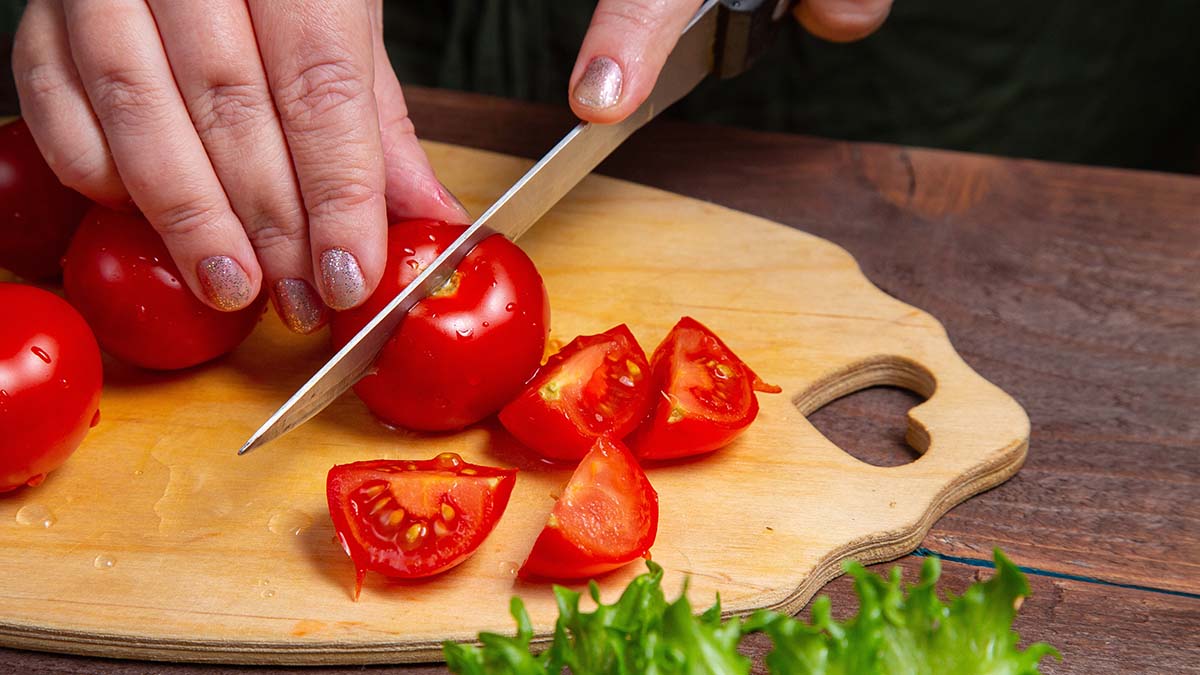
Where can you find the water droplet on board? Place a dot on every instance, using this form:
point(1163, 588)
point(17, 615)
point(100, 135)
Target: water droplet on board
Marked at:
point(508, 569)
point(289, 522)
point(268, 594)
point(104, 562)
point(36, 515)
point(40, 353)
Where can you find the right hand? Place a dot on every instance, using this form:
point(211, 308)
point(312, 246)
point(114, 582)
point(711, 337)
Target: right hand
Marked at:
point(268, 142)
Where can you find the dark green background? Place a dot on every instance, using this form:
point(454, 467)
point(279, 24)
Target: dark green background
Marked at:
point(1114, 83)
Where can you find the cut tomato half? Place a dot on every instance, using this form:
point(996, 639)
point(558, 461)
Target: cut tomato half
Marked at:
point(598, 385)
point(606, 517)
point(707, 395)
point(411, 519)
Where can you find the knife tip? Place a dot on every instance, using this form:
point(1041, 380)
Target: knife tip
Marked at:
point(250, 445)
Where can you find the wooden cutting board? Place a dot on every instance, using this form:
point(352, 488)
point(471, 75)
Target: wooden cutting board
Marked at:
point(155, 541)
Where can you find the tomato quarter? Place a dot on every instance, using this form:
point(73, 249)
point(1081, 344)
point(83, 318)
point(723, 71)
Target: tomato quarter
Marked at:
point(462, 352)
point(50, 378)
point(606, 517)
point(598, 385)
point(120, 276)
point(412, 519)
point(707, 395)
point(37, 213)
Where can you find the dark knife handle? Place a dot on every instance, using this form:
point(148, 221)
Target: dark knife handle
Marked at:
point(744, 32)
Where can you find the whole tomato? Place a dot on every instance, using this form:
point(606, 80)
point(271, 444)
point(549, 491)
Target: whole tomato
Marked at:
point(464, 351)
point(50, 378)
point(37, 213)
point(121, 278)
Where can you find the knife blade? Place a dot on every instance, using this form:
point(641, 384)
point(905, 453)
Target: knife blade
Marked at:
point(704, 47)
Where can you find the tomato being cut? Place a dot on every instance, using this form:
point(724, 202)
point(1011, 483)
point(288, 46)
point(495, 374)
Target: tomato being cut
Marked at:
point(50, 379)
point(120, 276)
point(37, 213)
point(411, 519)
point(606, 517)
point(462, 352)
point(598, 385)
point(707, 395)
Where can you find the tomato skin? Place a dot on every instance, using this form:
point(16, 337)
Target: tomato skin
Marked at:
point(702, 408)
point(37, 213)
point(375, 504)
point(597, 385)
point(606, 518)
point(120, 276)
point(460, 355)
point(50, 380)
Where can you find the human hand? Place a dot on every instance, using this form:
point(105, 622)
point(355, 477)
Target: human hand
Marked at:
point(629, 40)
point(267, 142)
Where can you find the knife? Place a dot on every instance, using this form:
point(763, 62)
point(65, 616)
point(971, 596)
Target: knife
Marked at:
point(724, 38)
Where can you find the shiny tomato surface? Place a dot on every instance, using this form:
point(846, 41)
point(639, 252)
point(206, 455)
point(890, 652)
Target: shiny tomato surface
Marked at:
point(707, 395)
point(411, 519)
point(121, 278)
point(464, 351)
point(606, 517)
point(50, 377)
point(37, 213)
point(597, 385)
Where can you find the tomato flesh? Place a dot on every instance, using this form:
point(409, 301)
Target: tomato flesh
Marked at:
point(606, 517)
point(598, 385)
point(50, 378)
point(119, 275)
point(465, 350)
point(707, 396)
point(412, 519)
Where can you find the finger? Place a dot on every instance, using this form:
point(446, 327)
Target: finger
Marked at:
point(842, 20)
point(212, 51)
point(624, 50)
point(161, 159)
point(413, 191)
point(56, 108)
point(319, 62)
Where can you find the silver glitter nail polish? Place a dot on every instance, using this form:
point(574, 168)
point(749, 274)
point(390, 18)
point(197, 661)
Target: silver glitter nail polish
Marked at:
point(600, 86)
point(224, 282)
point(299, 306)
point(342, 279)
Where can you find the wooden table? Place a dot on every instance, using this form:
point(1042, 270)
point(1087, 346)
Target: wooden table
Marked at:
point(1075, 289)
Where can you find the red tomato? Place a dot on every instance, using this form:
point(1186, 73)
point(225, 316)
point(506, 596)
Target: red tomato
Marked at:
point(708, 395)
point(121, 278)
point(37, 213)
point(413, 519)
point(463, 352)
point(606, 517)
point(50, 377)
point(598, 385)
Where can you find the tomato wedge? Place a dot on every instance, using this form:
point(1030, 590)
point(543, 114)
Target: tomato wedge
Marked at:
point(606, 517)
point(598, 385)
point(411, 519)
point(707, 395)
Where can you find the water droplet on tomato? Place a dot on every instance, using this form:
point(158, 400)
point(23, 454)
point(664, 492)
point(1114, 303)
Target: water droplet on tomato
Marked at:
point(412, 263)
point(95, 420)
point(36, 515)
point(40, 353)
point(464, 332)
point(486, 324)
point(104, 562)
point(449, 460)
point(510, 306)
point(62, 381)
point(289, 522)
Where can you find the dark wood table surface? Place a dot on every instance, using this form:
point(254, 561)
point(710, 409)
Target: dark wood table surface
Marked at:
point(1075, 289)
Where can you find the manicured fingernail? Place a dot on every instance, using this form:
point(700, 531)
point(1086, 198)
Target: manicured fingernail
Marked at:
point(342, 279)
point(600, 86)
point(224, 282)
point(299, 306)
point(447, 198)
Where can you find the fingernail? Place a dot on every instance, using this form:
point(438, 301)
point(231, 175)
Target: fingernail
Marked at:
point(600, 86)
point(447, 197)
point(299, 306)
point(342, 279)
point(224, 282)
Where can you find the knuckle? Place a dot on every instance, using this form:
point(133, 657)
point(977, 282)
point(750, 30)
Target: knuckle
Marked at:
point(320, 88)
point(184, 219)
point(339, 196)
point(228, 106)
point(278, 228)
point(41, 80)
point(80, 170)
point(127, 99)
point(629, 16)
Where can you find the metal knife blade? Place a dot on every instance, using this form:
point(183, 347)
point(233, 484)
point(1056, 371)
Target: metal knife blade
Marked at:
point(580, 151)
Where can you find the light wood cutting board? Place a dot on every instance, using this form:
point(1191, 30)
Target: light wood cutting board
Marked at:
point(162, 544)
